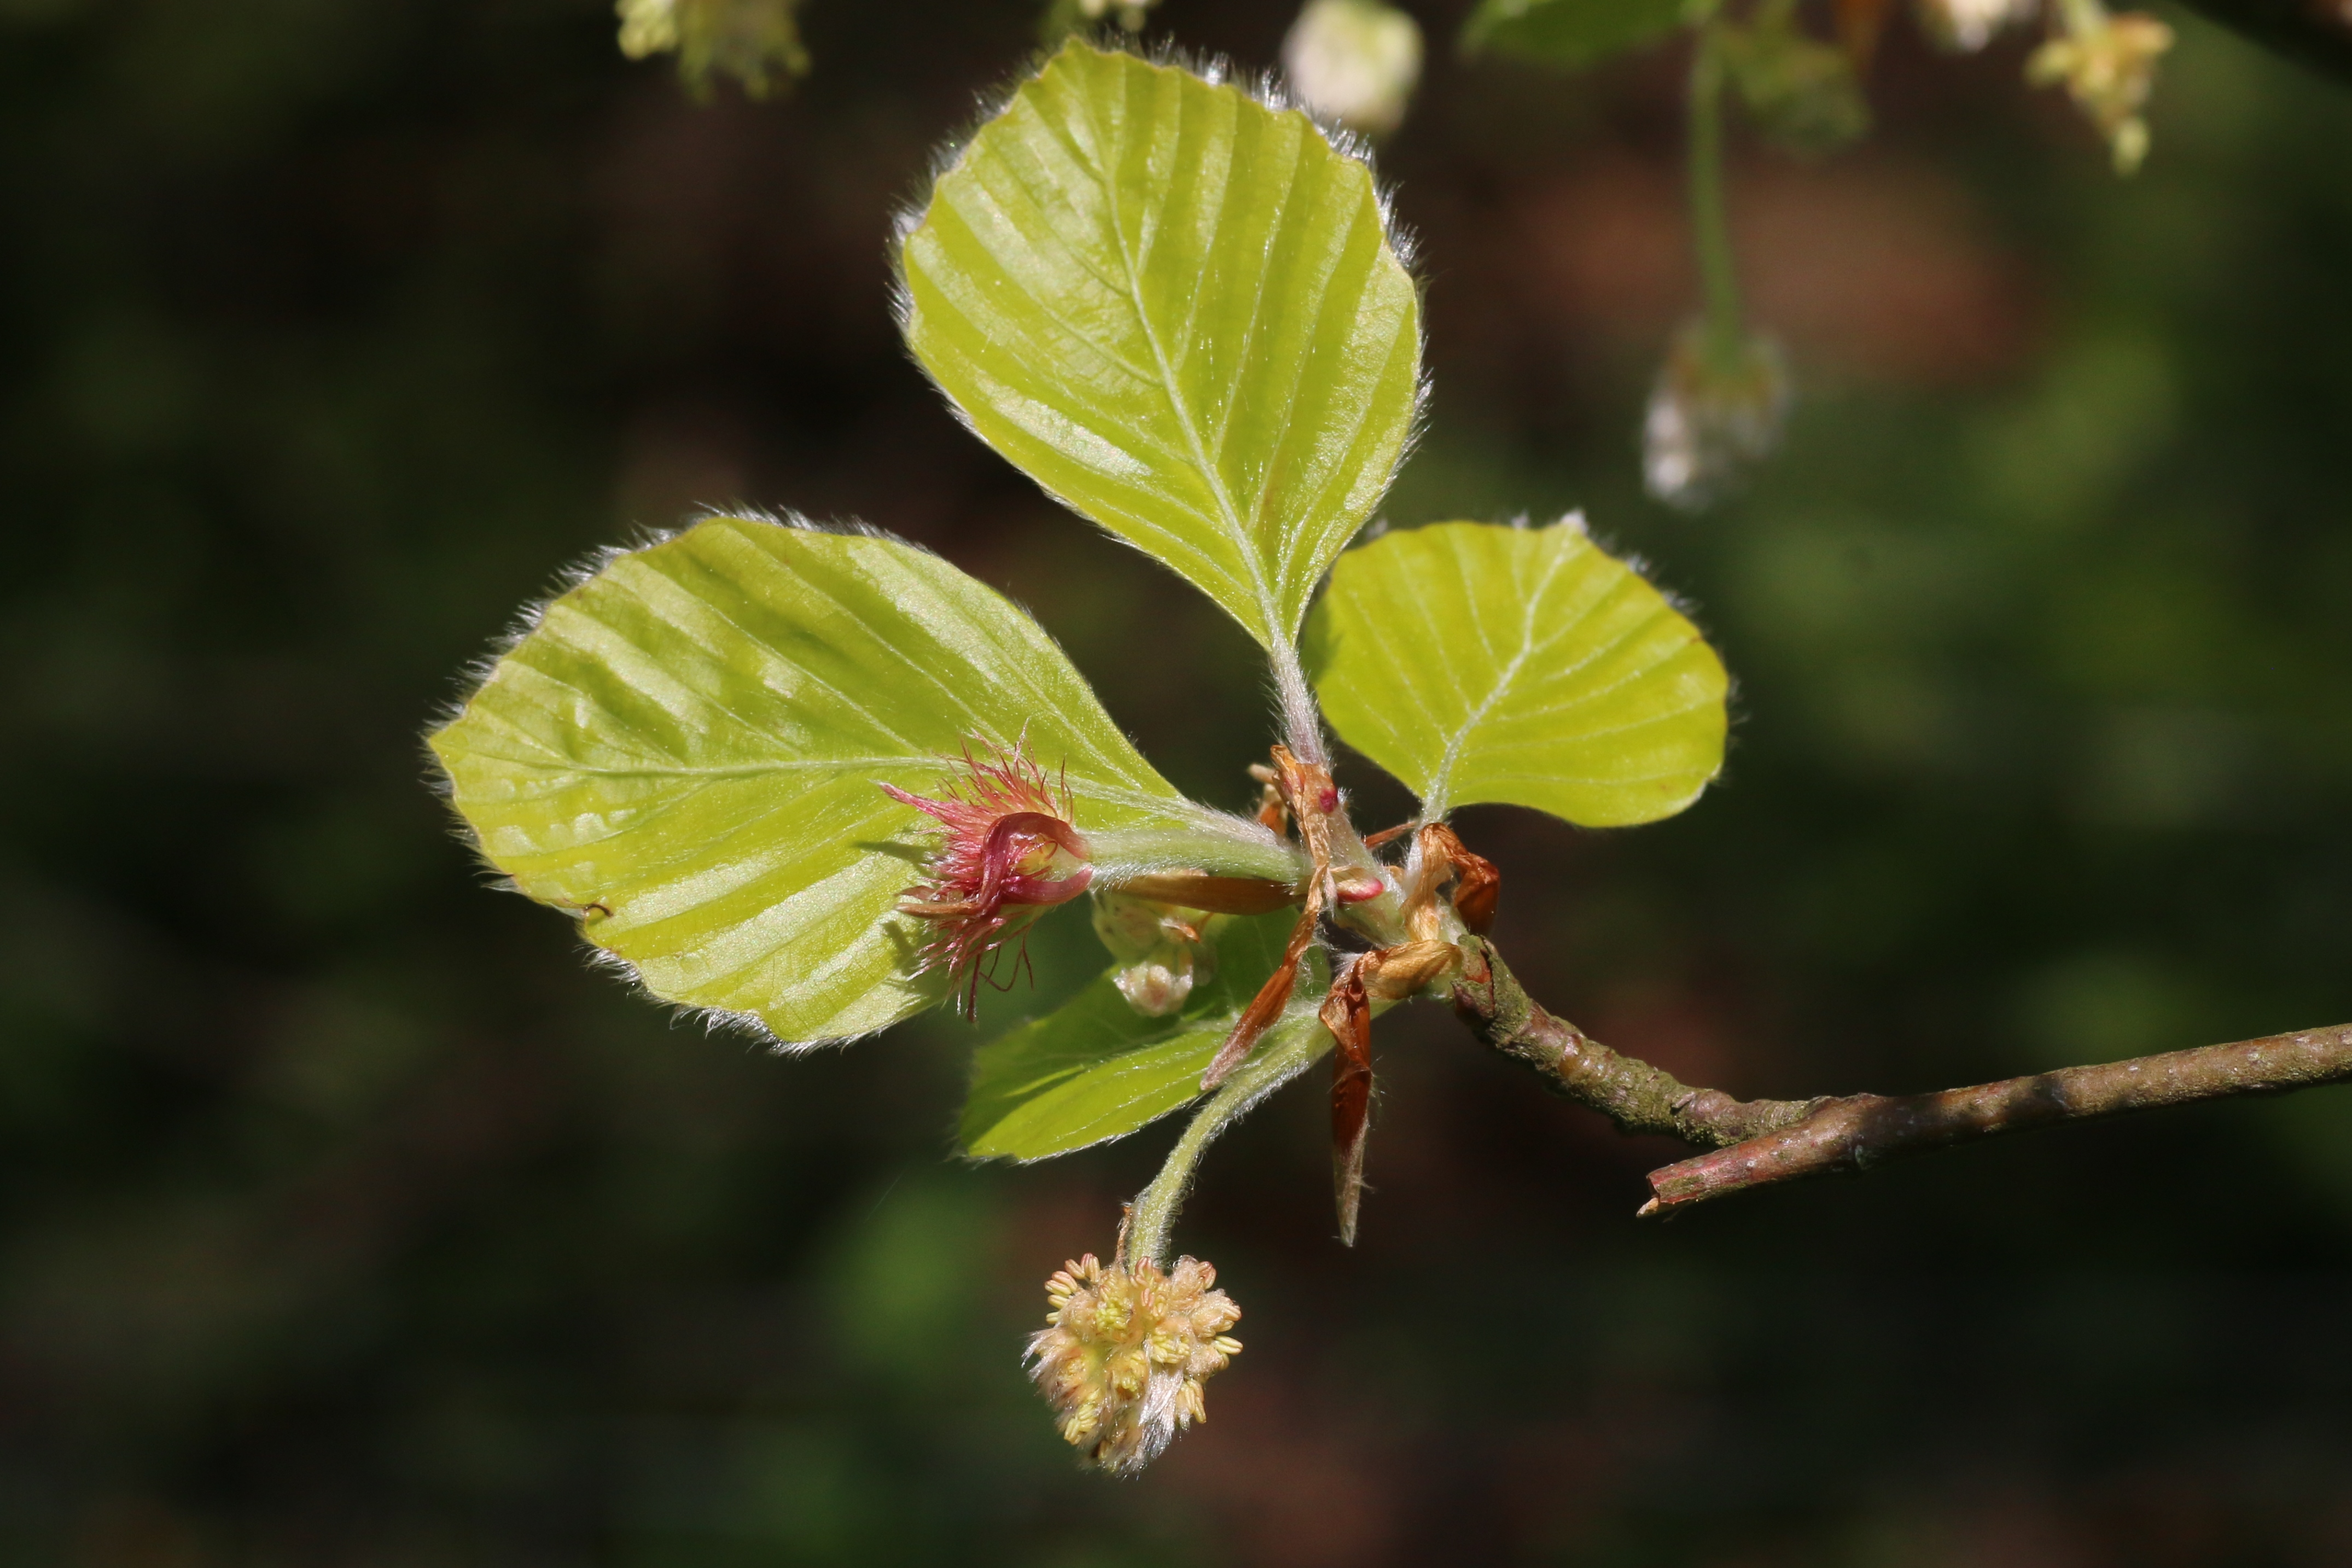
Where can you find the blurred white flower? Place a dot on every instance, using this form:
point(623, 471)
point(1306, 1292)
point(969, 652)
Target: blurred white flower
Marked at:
point(1711, 415)
point(1355, 62)
point(1970, 25)
point(757, 42)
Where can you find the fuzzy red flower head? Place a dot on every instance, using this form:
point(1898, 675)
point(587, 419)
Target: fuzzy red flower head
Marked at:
point(1009, 854)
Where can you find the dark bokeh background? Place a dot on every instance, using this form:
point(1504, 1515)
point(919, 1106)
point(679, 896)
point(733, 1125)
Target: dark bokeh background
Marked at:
point(347, 1218)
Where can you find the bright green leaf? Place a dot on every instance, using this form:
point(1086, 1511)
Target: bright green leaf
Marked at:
point(685, 749)
point(1570, 33)
point(1179, 311)
point(1097, 1069)
point(1519, 665)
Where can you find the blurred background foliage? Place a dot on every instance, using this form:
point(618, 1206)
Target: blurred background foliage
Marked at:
point(347, 1217)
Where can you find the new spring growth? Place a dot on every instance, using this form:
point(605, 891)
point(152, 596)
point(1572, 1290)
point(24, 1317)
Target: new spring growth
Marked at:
point(1125, 1351)
point(1159, 947)
point(1717, 408)
point(1428, 958)
point(757, 42)
point(1009, 854)
point(2108, 64)
point(1300, 794)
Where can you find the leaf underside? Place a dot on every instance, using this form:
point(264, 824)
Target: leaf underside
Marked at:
point(1574, 33)
point(684, 751)
point(1179, 311)
point(1097, 1069)
point(1520, 666)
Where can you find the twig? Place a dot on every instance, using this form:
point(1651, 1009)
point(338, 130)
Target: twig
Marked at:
point(1638, 1097)
point(1758, 1142)
point(1864, 1130)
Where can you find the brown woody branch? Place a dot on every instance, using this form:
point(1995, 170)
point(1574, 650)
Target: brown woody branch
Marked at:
point(1757, 1141)
point(1638, 1097)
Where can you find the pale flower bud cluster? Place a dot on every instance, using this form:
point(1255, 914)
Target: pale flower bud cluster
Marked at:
point(2108, 64)
point(1712, 414)
point(755, 41)
point(1159, 949)
point(648, 27)
point(1125, 1352)
point(1355, 62)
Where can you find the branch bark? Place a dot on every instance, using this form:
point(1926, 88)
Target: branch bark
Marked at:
point(1638, 1097)
point(1759, 1142)
point(1859, 1130)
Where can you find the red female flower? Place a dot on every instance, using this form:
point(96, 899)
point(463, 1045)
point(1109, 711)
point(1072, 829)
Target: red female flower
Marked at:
point(1009, 854)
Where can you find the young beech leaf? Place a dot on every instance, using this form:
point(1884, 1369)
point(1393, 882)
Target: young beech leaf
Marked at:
point(685, 752)
point(1097, 1069)
point(1525, 666)
point(1570, 33)
point(1179, 311)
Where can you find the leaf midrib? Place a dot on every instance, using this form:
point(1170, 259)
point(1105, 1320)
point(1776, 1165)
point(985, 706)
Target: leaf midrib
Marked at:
point(1267, 608)
point(1442, 782)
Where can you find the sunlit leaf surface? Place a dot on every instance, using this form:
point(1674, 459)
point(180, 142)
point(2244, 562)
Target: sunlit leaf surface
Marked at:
point(1097, 1069)
point(1179, 311)
point(1572, 33)
point(685, 750)
point(1525, 666)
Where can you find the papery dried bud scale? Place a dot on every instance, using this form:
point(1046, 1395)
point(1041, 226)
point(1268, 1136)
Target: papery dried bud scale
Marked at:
point(1384, 975)
point(1309, 797)
point(1212, 894)
point(1394, 974)
point(1347, 1013)
point(1477, 884)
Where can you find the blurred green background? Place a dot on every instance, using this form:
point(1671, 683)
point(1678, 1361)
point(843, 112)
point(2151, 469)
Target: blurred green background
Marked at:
point(347, 1217)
